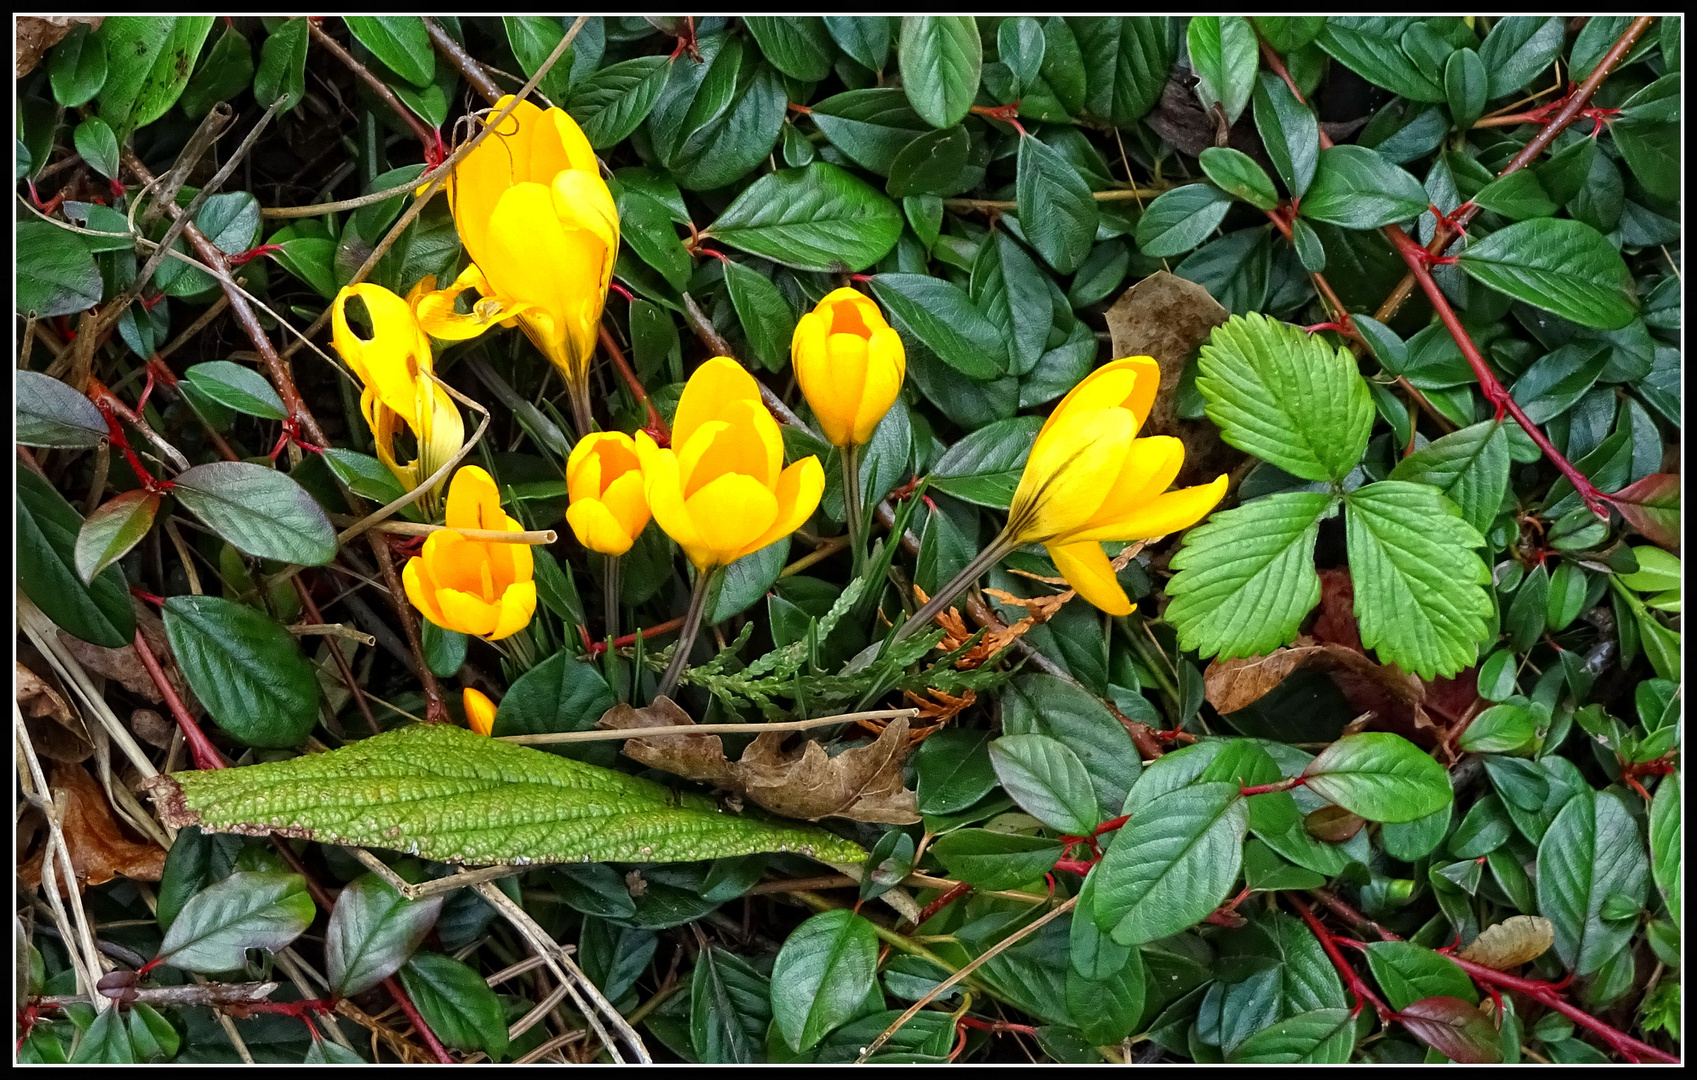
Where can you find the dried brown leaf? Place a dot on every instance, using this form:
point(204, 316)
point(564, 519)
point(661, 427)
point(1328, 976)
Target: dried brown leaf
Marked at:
point(1517, 940)
point(861, 784)
point(37, 34)
point(1234, 684)
point(99, 849)
point(54, 730)
point(1169, 318)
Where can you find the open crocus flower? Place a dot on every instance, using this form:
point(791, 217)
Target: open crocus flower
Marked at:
point(394, 365)
point(479, 711)
point(604, 481)
point(722, 490)
point(542, 232)
point(473, 586)
point(850, 365)
point(1090, 478)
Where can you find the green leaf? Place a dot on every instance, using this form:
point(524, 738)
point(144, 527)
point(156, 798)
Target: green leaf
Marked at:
point(1048, 781)
point(1180, 219)
point(1419, 584)
point(1379, 776)
point(247, 910)
point(282, 66)
point(1357, 188)
point(1557, 264)
point(55, 272)
point(1469, 466)
point(1020, 45)
point(1518, 48)
point(1013, 293)
point(1408, 972)
point(1591, 852)
point(98, 145)
point(151, 1035)
point(365, 475)
point(47, 529)
point(372, 932)
point(51, 414)
point(1319, 1036)
point(1172, 864)
point(78, 68)
point(1371, 47)
point(261, 511)
point(865, 38)
point(1237, 174)
point(730, 1009)
point(476, 800)
point(716, 120)
point(1247, 576)
point(1414, 840)
point(941, 58)
point(1647, 135)
point(457, 1004)
point(936, 163)
point(614, 101)
point(1467, 86)
point(797, 45)
point(400, 41)
point(106, 1042)
point(1223, 55)
point(995, 860)
point(562, 693)
point(1501, 729)
point(1286, 396)
point(1056, 209)
point(955, 773)
point(1126, 60)
point(870, 126)
point(984, 467)
point(942, 317)
point(231, 222)
point(1665, 832)
point(112, 530)
point(1289, 132)
point(822, 976)
point(646, 226)
point(247, 670)
point(226, 72)
point(1453, 1028)
point(1516, 196)
point(149, 59)
point(767, 319)
point(746, 581)
point(1657, 570)
point(820, 217)
point(236, 387)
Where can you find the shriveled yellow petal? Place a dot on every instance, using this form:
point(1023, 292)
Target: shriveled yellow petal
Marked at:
point(596, 528)
point(516, 607)
point(1163, 515)
point(479, 711)
point(1087, 569)
point(710, 389)
point(730, 513)
point(799, 489)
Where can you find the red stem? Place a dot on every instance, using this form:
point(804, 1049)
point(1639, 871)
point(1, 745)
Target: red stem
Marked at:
point(200, 747)
point(1282, 785)
point(596, 648)
point(1418, 260)
point(656, 424)
point(393, 985)
point(1357, 987)
point(955, 892)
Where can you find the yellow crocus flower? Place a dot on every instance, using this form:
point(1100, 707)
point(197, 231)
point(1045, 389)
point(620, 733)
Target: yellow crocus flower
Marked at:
point(604, 482)
point(542, 232)
point(473, 586)
point(479, 711)
point(394, 365)
point(1090, 478)
point(722, 491)
point(850, 365)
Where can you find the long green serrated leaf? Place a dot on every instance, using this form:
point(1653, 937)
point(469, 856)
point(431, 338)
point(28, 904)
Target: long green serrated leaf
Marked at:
point(1172, 864)
point(444, 793)
point(1469, 466)
point(1286, 396)
point(1247, 576)
point(1420, 593)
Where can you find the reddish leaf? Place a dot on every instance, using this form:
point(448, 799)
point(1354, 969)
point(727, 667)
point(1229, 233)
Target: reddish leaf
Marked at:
point(1651, 506)
point(1454, 1029)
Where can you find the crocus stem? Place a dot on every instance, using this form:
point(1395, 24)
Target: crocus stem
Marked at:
point(520, 650)
point(686, 637)
point(990, 556)
point(851, 506)
point(578, 392)
point(610, 593)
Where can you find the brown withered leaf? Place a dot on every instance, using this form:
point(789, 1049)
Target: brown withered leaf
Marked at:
point(1517, 940)
point(37, 34)
point(1169, 318)
point(124, 666)
point(862, 784)
point(99, 849)
point(53, 729)
point(1234, 684)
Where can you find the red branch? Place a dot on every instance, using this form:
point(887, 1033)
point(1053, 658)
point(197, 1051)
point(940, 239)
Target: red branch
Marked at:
point(200, 747)
point(596, 648)
point(656, 424)
point(955, 892)
point(1357, 988)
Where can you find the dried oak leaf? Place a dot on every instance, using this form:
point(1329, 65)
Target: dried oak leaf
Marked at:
point(99, 849)
point(1517, 940)
point(862, 784)
point(37, 34)
point(54, 730)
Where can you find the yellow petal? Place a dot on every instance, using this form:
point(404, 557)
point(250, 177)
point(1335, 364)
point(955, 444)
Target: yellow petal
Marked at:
point(1128, 383)
point(798, 492)
point(846, 385)
point(479, 711)
point(452, 562)
point(575, 145)
point(730, 513)
point(1150, 465)
point(1163, 515)
point(883, 383)
point(473, 500)
point(466, 613)
point(421, 590)
point(596, 528)
point(517, 605)
point(1087, 569)
point(664, 489)
point(624, 499)
point(709, 391)
point(1069, 474)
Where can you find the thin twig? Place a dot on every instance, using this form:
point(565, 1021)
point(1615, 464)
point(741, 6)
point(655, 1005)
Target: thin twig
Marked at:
point(556, 737)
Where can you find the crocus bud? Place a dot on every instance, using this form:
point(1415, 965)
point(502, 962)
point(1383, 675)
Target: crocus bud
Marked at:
point(850, 365)
point(1090, 478)
point(479, 711)
point(721, 490)
point(604, 481)
point(473, 586)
